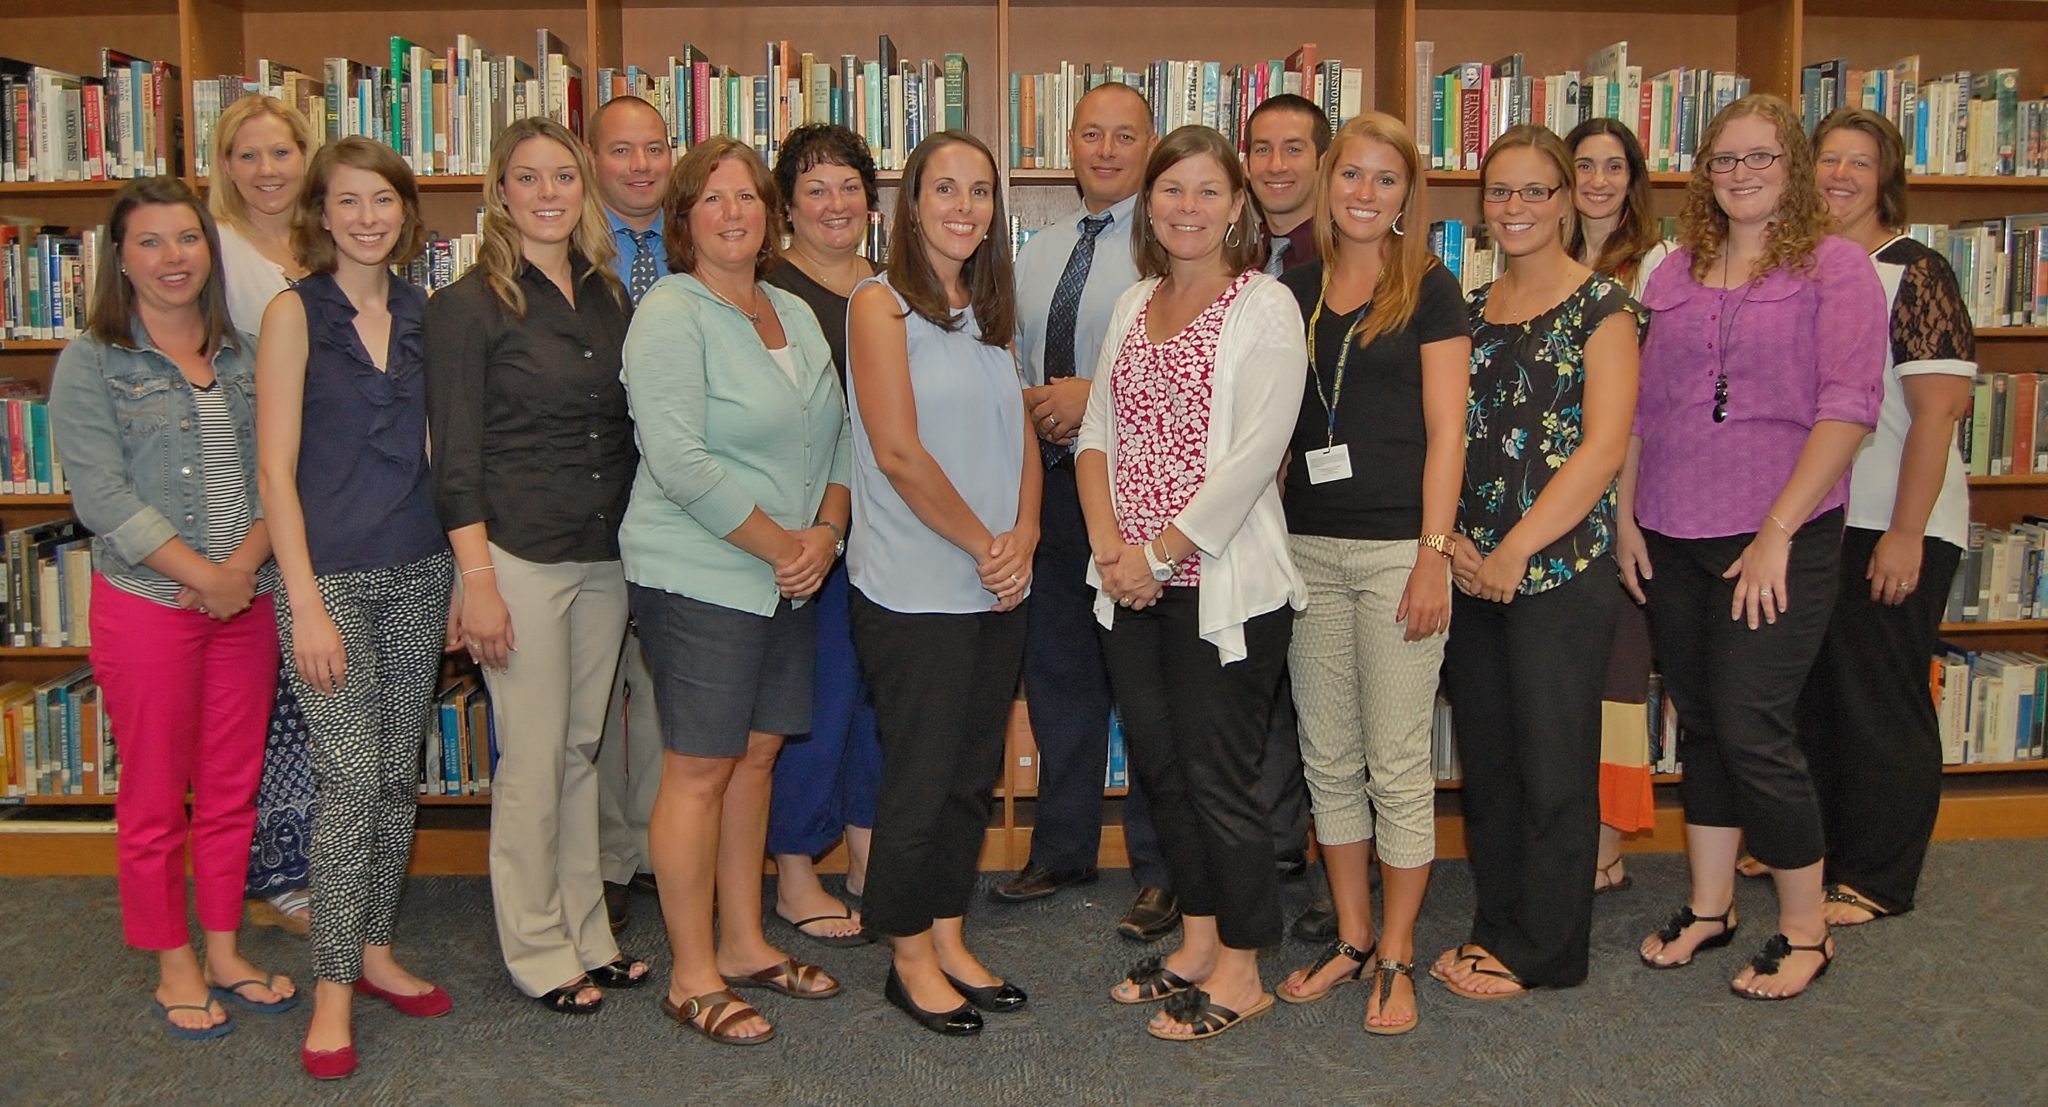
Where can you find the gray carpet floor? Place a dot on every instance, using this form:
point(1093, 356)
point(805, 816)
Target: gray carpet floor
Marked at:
point(1939, 1006)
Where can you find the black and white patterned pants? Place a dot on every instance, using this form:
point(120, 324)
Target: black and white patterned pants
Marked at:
point(366, 749)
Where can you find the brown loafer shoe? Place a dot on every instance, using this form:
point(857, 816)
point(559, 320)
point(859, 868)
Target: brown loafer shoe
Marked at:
point(1038, 882)
point(617, 907)
point(1153, 915)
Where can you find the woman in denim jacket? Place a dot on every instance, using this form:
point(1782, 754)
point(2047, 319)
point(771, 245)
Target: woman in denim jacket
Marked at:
point(152, 411)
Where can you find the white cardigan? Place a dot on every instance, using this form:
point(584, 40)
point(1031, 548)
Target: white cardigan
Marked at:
point(1235, 517)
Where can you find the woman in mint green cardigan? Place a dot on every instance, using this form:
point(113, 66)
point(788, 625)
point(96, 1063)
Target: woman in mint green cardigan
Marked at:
point(738, 511)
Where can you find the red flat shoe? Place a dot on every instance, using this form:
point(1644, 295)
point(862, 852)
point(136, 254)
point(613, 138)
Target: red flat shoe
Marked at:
point(329, 1064)
point(426, 1005)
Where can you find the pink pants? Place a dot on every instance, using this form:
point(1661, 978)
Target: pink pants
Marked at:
point(188, 699)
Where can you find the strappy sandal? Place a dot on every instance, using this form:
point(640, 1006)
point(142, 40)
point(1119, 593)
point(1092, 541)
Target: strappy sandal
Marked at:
point(1336, 949)
point(791, 977)
point(1194, 1009)
point(720, 1010)
point(1383, 973)
point(1676, 925)
point(562, 1000)
point(1768, 960)
point(1154, 982)
point(619, 973)
point(291, 912)
point(233, 993)
point(1836, 894)
point(1612, 885)
point(1463, 992)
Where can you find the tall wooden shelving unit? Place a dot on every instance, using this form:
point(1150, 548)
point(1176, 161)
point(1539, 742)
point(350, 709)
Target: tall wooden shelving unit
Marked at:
point(1766, 40)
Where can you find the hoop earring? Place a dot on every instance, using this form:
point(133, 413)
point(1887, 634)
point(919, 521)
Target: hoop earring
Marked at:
point(1227, 240)
point(1394, 228)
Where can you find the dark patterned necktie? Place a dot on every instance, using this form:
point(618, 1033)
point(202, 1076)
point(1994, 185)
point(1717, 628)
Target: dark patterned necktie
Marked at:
point(645, 269)
point(1276, 261)
point(1066, 314)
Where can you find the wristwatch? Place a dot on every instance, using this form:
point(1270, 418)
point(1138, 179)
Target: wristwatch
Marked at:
point(1441, 543)
point(1162, 571)
point(839, 536)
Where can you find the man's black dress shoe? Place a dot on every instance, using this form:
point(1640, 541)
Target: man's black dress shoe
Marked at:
point(997, 999)
point(1038, 882)
point(616, 907)
point(645, 882)
point(1152, 916)
point(957, 1023)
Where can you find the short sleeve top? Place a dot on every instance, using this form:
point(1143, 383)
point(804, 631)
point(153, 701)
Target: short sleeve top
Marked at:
point(1525, 419)
point(1377, 413)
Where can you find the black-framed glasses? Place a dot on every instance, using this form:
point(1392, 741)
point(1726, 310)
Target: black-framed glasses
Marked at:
point(1535, 194)
point(1721, 164)
point(1721, 398)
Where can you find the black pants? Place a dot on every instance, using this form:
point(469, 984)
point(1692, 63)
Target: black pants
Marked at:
point(1737, 690)
point(1524, 680)
point(1066, 689)
point(942, 687)
point(1869, 729)
point(1282, 786)
point(1198, 736)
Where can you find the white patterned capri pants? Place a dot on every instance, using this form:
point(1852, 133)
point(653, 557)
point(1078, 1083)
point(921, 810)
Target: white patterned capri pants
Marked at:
point(1365, 698)
point(366, 749)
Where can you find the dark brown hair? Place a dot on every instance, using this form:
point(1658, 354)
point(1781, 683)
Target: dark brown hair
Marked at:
point(1184, 143)
point(313, 243)
point(1319, 128)
point(991, 286)
point(686, 185)
point(1802, 217)
point(112, 318)
point(1635, 229)
point(1891, 158)
point(816, 144)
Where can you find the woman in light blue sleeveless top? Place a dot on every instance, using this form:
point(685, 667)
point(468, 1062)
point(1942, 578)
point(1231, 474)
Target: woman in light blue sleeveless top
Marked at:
point(945, 520)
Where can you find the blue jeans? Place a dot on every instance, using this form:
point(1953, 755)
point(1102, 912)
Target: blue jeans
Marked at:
point(827, 780)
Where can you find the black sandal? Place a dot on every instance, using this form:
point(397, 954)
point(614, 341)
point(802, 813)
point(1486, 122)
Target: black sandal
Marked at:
point(1383, 975)
point(1154, 982)
point(619, 974)
point(1768, 960)
point(1851, 899)
point(1676, 925)
point(1195, 1010)
point(1336, 949)
point(562, 1000)
point(1612, 885)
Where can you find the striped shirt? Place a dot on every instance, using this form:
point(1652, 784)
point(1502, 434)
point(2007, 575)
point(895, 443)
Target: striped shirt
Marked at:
point(228, 514)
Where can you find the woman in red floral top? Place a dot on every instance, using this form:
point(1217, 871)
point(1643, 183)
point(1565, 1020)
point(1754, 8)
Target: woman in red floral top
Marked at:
point(1190, 415)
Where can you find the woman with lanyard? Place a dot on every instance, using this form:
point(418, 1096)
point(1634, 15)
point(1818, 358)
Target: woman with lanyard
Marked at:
point(1371, 497)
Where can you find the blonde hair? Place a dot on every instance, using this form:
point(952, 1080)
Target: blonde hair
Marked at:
point(223, 198)
point(1406, 256)
point(1802, 216)
point(500, 255)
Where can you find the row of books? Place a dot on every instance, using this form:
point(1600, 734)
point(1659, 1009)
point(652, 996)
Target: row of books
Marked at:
point(2000, 577)
point(1461, 109)
point(1992, 706)
point(28, 462)
point(54, 739)
point(1970, 122)
point(889, 100)
point(46, 279)
point(46, 596)
point(118, 123)
point(1660, 732)
point(459, 749)
point(2001, 265)
point(439, 108)
point(1467, 252)
point(1180, 92)
point(2006, 430)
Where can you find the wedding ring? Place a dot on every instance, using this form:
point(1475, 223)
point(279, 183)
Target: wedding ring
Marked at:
point(1763, 592)
point(1014, 579)
point(1125, 602)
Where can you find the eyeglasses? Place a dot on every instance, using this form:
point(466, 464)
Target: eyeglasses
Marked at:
point(1535, 194)
point(1721, 398)
point(1722, 164)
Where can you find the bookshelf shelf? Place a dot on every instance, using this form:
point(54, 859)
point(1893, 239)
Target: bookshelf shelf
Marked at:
point(2015, 480)
point(26, 500)
point(1935, 182)
point(1995, 767)
point(28, 189)
point(57, 801)
point(31, 345)
point(2009, 626)
point(1996, 333)
point(80, 652)
point(455, 801)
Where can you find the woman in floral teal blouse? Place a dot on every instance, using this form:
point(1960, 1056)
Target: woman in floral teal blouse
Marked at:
point(1553, 389)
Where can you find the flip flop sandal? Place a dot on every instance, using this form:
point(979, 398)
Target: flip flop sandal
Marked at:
point(1154, 982)
point(1851, 899)
point(1463, 992)
point(562, 1000)
point(1676, 925)
point(1768, 959)
point(861, 937)
point(1436, 969)
point(1194, 1009)
point(1383, 974)
point(720, 1010)
point(191, 1033)
point(619, 973)
point(233, 994)
point(1336, 949)
point(791, 977)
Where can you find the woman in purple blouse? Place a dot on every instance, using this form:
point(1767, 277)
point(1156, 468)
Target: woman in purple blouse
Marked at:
point(1761, 376)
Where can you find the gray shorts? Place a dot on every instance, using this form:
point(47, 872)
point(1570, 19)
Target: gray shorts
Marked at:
point(720, 673)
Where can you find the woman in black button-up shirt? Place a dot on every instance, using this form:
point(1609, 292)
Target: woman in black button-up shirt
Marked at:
point(533, 459)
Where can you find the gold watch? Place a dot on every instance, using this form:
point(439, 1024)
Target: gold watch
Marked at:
point(1441, 543)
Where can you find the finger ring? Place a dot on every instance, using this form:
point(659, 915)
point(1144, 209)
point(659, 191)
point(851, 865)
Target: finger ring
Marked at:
point(1125, 602)
point(1053, 419)
point(1014, 579)
point(1763, 592)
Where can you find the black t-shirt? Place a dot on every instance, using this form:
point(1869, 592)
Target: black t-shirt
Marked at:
point(1379, 414)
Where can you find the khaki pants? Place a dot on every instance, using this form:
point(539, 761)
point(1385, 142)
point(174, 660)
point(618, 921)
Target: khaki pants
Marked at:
point(568, 622)
point(628, 769)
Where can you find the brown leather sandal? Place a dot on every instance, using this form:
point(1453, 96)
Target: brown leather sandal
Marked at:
point(791, 977)
point(719, 1010)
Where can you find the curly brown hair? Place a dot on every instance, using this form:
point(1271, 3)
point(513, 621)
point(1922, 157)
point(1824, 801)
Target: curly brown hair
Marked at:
point(1802, 216)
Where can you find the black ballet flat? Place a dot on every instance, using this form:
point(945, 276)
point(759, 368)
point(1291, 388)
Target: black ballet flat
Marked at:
point(997, 999)
point(961, 1022)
